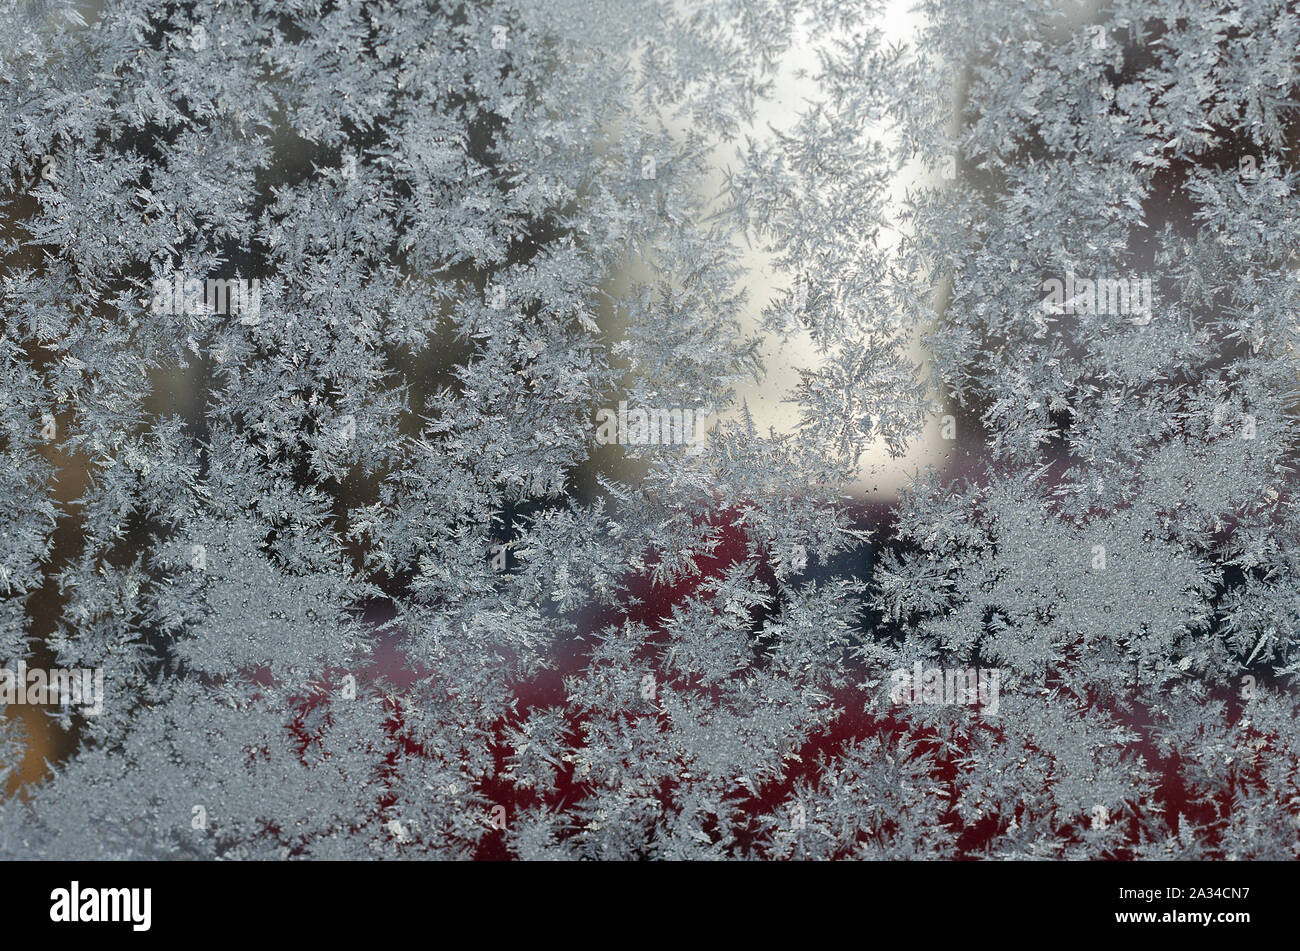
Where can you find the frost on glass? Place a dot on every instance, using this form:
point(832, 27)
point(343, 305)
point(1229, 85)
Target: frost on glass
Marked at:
point(370, 422)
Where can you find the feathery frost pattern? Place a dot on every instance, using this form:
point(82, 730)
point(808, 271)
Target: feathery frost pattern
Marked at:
point(370, 426)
